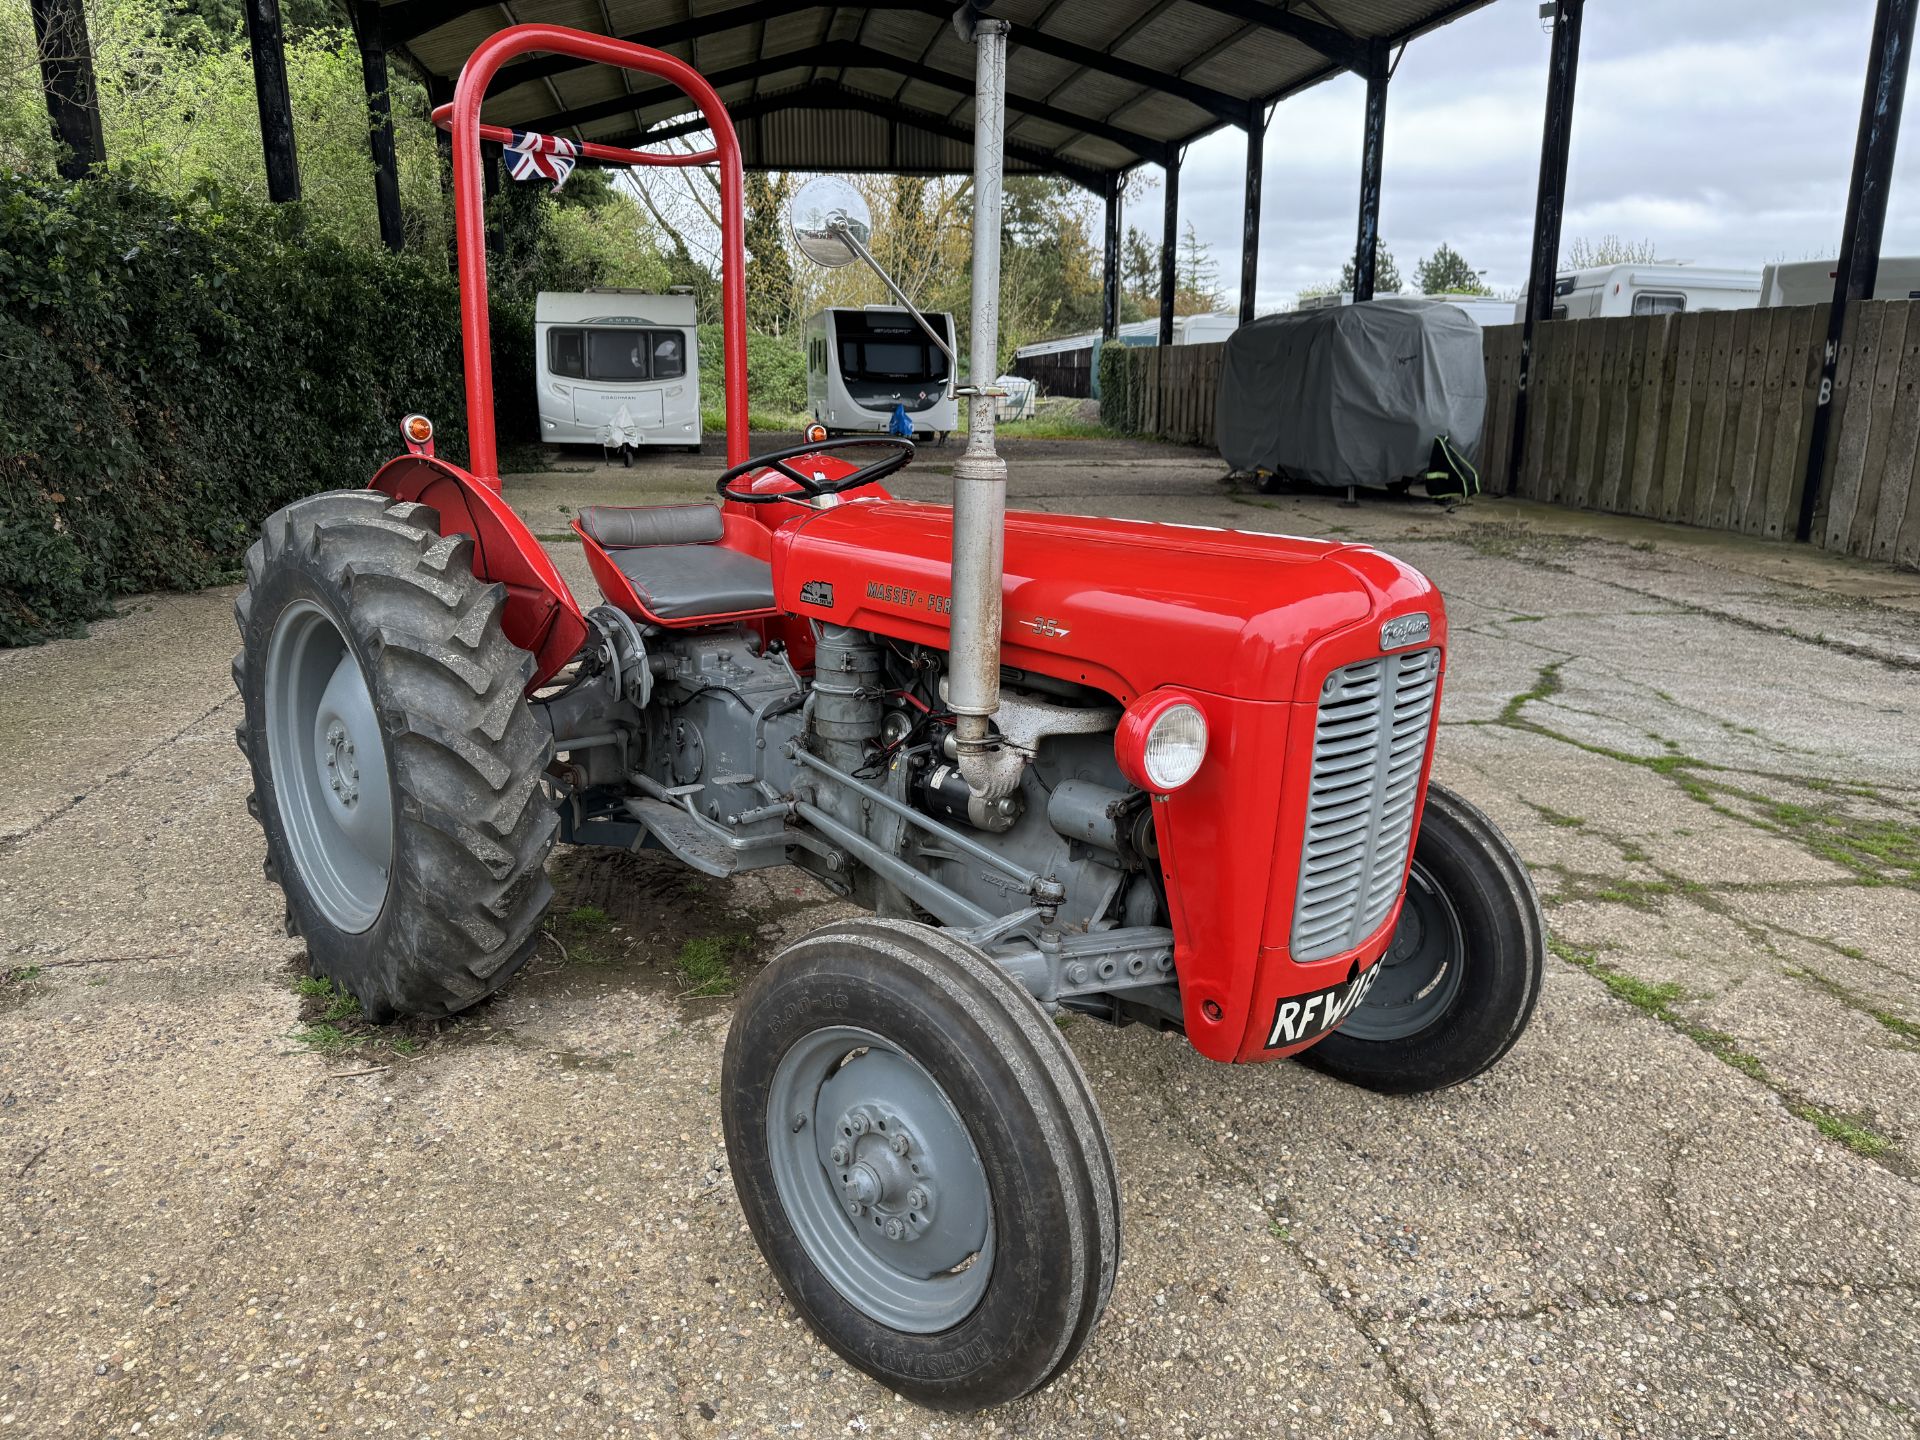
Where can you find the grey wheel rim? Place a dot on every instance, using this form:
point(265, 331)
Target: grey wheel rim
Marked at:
point(1420, 973)
point(329, 767)
point(880, 1180)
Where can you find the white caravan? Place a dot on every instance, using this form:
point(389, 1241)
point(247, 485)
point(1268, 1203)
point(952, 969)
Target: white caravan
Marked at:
point(617, 368)
point(1656, 289)
point(1810, 282)
point(863, 362)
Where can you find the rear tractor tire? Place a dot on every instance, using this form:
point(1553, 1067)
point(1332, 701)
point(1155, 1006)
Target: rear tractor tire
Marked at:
point(1458, 984)
point(396, 764)
point(921, 1163)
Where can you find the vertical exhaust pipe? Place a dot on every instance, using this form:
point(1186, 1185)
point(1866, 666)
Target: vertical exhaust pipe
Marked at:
point(980, 475)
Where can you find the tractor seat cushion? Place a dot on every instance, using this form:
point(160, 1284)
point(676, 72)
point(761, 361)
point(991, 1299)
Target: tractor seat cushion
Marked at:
point(684, 582)
point(669, 555)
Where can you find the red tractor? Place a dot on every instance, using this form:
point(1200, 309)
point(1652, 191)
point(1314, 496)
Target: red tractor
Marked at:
point(1137, 772)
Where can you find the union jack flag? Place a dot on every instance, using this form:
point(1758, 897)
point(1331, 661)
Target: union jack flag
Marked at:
point(532, 156)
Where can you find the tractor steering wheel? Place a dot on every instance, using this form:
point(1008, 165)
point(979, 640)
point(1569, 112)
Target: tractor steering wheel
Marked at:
point(812, 487)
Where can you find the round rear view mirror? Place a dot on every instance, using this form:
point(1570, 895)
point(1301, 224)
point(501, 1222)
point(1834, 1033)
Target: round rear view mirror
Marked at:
point(821, 207)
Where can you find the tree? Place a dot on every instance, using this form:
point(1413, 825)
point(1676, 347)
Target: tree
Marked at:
point(1446, 272)
point(1585, 254)
point(1196, 288)
point(769, 269)
point(1386, 275)
point(1140, 269)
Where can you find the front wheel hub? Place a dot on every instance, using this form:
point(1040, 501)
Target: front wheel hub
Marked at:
point(883, 1186)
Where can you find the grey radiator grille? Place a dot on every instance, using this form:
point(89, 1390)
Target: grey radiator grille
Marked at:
point(1369, 742)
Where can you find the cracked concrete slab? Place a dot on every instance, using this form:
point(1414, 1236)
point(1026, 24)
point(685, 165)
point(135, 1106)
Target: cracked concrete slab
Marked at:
point(1663, 1214)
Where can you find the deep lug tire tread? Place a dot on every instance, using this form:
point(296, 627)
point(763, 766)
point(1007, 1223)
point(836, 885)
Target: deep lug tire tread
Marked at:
point(472, 825)
point(1488, 884)
point(1007, 1031)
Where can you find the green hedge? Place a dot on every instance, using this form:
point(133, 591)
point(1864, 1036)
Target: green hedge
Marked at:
point(776, 372)
point(172, 372)
point(1119, 400)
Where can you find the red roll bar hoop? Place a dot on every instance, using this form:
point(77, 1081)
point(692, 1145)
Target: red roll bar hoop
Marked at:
point(462, 119)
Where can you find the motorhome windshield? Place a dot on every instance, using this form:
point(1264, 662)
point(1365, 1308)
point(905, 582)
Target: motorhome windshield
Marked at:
point(616, 353)
point(887, 349)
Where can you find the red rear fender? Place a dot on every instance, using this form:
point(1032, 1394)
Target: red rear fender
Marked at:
point(541, 614)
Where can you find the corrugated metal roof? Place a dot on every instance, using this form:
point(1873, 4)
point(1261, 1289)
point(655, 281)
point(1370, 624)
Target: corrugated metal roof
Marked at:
point(1094, 87)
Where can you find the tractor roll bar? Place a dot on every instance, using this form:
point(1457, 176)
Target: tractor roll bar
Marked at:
point(462, 120)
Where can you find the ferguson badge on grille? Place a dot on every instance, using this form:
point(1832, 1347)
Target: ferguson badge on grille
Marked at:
point(1404, 630)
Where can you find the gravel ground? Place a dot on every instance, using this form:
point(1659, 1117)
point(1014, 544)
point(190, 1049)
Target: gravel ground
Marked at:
point(1684, 1206)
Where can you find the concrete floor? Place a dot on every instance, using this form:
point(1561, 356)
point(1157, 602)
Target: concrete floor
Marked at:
point(1685, 1206)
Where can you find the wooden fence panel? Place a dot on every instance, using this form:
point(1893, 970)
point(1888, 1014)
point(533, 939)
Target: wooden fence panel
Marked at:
point(1684, 337)
point(1561, 383)
point(1800, 383)
point(1719, 498)
point(1886, 395)
point(1746, 438)
point(1897, 477)
point(1852, 422)
point(1655, 382)
point(1774, 335)
point(1496, 433)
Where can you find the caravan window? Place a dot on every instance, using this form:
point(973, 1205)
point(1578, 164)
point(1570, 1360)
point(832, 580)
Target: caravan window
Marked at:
point(669, 354)
point(1659, 304)
point(567, 353)
point(606, 353)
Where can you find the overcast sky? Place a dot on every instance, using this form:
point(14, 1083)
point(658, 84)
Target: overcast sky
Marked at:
point(1722, 130)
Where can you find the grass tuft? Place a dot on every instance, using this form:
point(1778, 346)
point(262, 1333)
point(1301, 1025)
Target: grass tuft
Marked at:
point(707, 963)
point(1857, 1136)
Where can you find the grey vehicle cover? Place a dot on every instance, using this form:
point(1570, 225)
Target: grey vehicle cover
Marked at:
point(1352, 394)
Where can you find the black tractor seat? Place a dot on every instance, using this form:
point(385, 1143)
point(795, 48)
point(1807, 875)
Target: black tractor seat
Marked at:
point(672, 557)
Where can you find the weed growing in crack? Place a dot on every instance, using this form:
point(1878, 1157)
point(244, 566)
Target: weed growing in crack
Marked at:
point(707, 963)
point(1658, 1001)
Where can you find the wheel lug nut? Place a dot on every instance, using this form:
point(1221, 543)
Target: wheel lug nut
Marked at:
point(838, 1154)
point(858, 1124)
point(855, 1208)
point(917, 1198)
point(895, 1229)
point(900, 1143)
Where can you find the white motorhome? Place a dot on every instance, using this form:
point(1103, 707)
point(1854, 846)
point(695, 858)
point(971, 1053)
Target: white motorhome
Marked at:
point(862, 363)
point(1657, 289)
point(1810, 282)
point(1483, 310)
point(617, 368)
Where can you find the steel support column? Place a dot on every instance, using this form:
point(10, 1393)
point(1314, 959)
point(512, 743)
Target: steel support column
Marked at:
point(1170, 249)
point(1372, 156)
point(1563, 69)
point(1250, 216)
point(1110, 269)
point(66, 75)
point(373, 74)
point(270, 89)
point(1866, 219)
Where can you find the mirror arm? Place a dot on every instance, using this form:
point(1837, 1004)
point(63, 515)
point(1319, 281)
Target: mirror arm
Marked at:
point(840, 227)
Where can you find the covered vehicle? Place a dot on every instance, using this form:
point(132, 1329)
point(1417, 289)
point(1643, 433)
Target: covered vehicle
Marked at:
point(1352, 394)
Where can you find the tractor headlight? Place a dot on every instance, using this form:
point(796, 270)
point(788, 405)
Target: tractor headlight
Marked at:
point(1161, 741)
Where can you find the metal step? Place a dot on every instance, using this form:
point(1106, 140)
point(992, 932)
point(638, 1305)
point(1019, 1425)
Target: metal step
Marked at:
point(685, 838)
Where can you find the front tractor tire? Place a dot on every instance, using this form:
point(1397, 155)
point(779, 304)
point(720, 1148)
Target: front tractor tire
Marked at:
point(920, 1160)
point(396, 764)
point(1458, 984)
